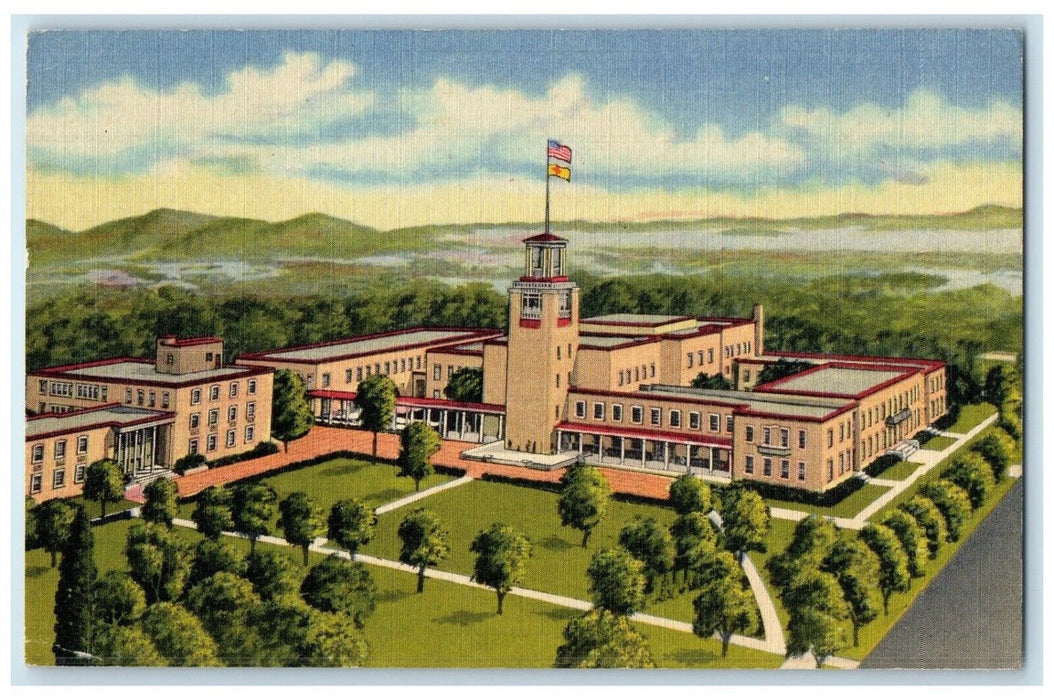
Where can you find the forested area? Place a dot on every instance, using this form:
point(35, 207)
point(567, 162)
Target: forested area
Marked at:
point(900, 314)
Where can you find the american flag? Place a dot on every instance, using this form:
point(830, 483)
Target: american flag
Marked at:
point(559, 151)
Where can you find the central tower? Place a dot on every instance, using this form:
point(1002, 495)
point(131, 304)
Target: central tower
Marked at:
point(543, 342)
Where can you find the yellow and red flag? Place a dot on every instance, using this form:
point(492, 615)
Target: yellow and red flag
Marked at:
point(559, 171)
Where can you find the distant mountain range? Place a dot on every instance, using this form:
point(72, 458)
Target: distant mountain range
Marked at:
point(173, 235)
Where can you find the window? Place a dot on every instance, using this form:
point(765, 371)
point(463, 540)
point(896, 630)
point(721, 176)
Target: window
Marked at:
point(232, 435)
point(598, 411)
point(715, 422)
point(435, 393)
point(785, 468)
point(636, 414)
point(746, 375)
point(580, 409)
point(169, 358)
point(700, 358)
point(767, 433)
point(78, 474)
point(710, 355)
point(214, 416)
point(358, 374)
point(60, 449)
point(165, 396)
point(557, 380)
point(841, 463)
point(402, 365)
point(250, 433)
point(653, 369)
point(82, 444)
point(192, 448)
point(830, 437)
point(387, 367)
point(801, 439)
point(250, 410)
point(59, 478)
point(784, 437)
point(728, 424)
point(767, 466)
point(140, 395)
point(801, 471)
point(34, 483)
point(449, 371)
point(325, 382)
point(437, 372)
point(153, 399)
point(250, 387)
point(128, 396)
point(195, 420)
point(214, 392)
point(616, 412)
point(38, 454)
point(43, 386)
point(841, 432)
point(749, 468)
point(749, 433)
point(347, 376)
point(656, 416)
point(210, 444)
point(694, 420)
point(691, 359)
point(675, 418)
point(558, 348)
point(208, 357)
point(621, 376)
point(232, 414)
point(195, 396)
point(418, 362)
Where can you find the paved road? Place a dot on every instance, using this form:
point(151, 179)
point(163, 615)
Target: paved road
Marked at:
point(971, 614)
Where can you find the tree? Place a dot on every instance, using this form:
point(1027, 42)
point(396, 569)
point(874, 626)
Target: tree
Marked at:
point(160, 506)
point(118, 599)
point(715, 381)
point(973, 475)
point(465, 385)
point(690, 495)
point(157, 560)
point(425, 542)
point(31, 523)
point(501, 557)
point(996, 385)
point(104, 483)
point(694, 544)
point(125, 646)
point(290, 413)
point(179, 636)
point(652, 544)
point(212, 557)
point(271, 573)
point(819, 616)
point(929, 518)
point(602, 639)
point(813, 539)
point(340, 586)
point(54, 520)
point(74, 612)
point(332, 639)
point(212, 514)
point(781, 368)
point(892, 561)
point(724, 606)
point(231, 612)
point(300, 521)
point(616, 581)
point(745, 521)
point(584, 499)
point(952, 502)
point(351, 524)
point(375, 399)
point(253, 509)
point(417, 443)
point(995, 448)
point(912, 539)
point(857, 570)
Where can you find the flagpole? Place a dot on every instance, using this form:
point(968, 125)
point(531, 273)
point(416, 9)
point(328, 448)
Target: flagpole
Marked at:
point(547, 178)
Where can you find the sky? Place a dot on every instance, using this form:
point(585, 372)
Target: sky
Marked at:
point(401, 128)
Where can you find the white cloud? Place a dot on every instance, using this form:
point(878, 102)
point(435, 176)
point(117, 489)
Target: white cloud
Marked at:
point(926, 120)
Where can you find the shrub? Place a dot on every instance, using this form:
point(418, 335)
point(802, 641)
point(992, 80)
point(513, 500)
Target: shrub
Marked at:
point(995, 448)
point(189, 462)
point(1009, 422)
point(952, 502)
point(262, 449)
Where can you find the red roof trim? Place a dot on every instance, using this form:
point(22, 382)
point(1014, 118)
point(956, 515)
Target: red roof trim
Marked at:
point(544, 238)
point(774, 388)
point(633, 324)
point(64, 373)
point(932, 364)
point(470, 335)
point(645, 433)
point(453, 351)
point(171, 340)
point(529, 278)
point(165, 416)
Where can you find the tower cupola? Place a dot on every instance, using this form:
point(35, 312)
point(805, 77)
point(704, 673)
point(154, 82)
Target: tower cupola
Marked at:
point(546, 258)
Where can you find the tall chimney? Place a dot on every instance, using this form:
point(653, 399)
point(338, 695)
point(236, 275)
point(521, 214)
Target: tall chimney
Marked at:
point(759, 330)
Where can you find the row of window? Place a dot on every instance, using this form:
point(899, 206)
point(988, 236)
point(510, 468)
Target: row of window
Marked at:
point(58, 478)
point(768, 432)
point(636, 374)
point(92, 392)
point(845, 432)
point(195, 394)
point(149, 398)
point(845, 464)
point(655, 416)
point(232, 415)
point(737, 349)
point(692, 355)
point(766, 467)
point(210, 440)
point(388, 368)
point(60, 449)
point(937, 383)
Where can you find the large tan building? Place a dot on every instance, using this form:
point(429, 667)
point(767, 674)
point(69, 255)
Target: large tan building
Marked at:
point(209, 408)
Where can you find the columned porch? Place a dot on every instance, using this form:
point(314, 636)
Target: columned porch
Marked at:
point(677, 455)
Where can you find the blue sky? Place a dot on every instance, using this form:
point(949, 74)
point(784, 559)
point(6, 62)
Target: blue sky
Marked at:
point(665, 112)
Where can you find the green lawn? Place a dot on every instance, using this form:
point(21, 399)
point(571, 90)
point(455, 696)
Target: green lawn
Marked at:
point(447, 625)
point(329, 482)
point(848, 507)
point(780, 534)
point(937, 443)
point(95, 510)
point(970, 416)
point(899, 471)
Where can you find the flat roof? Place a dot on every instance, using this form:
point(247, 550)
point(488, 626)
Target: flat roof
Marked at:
point(611, 341)
point(144, 371)
point(794, 406)
point(371, 344)
point(837, 380)
point(635, 319)
point(103, 416)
